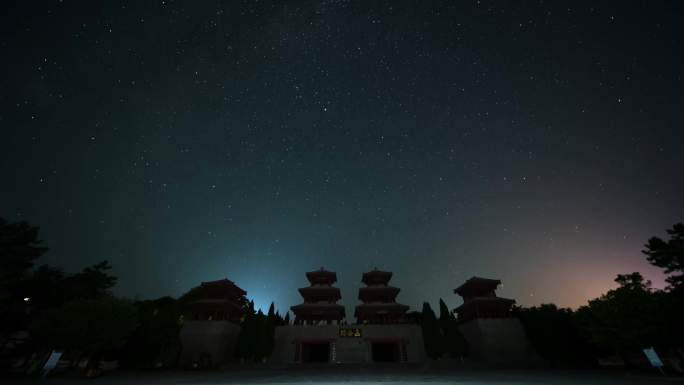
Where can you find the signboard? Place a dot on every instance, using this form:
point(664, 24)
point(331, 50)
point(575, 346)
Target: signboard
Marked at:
point(51, 362)
point(653, 357)
point(350, 332)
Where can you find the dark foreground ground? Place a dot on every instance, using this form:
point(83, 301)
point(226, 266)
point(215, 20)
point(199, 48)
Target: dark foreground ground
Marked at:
point(356, 375)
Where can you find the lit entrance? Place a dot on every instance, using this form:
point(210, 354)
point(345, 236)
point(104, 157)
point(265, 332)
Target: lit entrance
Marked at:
point(385, 351)
point(315, 351)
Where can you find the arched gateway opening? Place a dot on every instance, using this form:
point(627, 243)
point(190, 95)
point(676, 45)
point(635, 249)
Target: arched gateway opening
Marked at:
point(385, 351)
point(315, 352)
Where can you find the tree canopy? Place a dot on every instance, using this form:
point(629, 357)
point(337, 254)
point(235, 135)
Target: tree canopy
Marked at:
point(669, 254)
point(159, 323)
point(91, 326)
point(454, 343)
point(19, 248)
point(553, 334)
point(432, 335)
point(624, 319)
point(256, 339)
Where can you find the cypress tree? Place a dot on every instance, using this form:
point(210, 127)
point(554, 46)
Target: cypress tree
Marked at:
point(246, 338)
point(269, 330)
point(432, 337)
point(444, 317)
point(261, 343)
point(454, 342)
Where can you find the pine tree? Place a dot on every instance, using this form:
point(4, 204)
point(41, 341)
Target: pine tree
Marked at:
point(669, 254)
point(19, 248)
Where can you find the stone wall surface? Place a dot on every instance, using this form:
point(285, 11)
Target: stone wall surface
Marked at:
point(348, 349)
point(213, 339)
point(499, 341)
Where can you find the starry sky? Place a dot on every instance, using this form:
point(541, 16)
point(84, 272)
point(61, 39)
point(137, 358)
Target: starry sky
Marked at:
point(538, 142)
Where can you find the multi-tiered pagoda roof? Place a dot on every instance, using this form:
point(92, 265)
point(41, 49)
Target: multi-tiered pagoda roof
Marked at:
point(220, 300)
point(480, 300)
point(320, 299)
point(379, 300)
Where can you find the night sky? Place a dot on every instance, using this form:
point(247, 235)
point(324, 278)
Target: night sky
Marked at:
point(535, 142)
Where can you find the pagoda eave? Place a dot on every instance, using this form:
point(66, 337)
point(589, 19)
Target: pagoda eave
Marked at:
point(318, 311)
point(323, 277)
point(376, 277)
point(382, 293)
point(380, 308)
point(477, 284)
point(320, 291)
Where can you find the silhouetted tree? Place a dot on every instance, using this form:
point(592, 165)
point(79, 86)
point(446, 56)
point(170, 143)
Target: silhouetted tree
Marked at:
point(159, 323)
point(669, 254)
point(255, 341)
point(45, 287)
point(90, 283)
point(624, 319)
point(19, 248)
point(432, 336)
point(280, 321)
point(93, 327)
point(286, 320)
point(555, 337)
point(247, 339)
point(48, 287)
point(633, 281)
point(25, 293)
point(269, 330)
point(261, 344)
point(454, 343)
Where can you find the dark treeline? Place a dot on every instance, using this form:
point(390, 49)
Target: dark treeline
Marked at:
point(441, 335)
point(621, 322)
point(255, 341)
point(45, 308)
point(78, 314)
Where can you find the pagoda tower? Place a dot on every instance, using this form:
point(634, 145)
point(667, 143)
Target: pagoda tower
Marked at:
point(320, 300)
point(379, 300)
point(211, 323)
point(220, 300)
point(493, 334)
point(480, 300)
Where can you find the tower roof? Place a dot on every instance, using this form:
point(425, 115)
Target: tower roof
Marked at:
point(223, 283)
point(371, 293)
point(321, 276)
point(376, 276)
point(332, 293)
point(380, 308)
point(476, 286)
point(310, 311)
